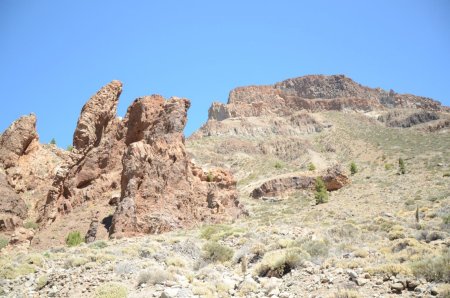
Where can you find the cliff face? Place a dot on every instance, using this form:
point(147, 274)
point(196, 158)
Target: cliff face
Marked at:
point(313, 93)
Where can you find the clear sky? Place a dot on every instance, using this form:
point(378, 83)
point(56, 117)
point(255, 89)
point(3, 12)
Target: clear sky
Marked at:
point(55, 54)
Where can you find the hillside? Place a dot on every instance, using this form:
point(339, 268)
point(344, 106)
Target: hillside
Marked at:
point(384, 231)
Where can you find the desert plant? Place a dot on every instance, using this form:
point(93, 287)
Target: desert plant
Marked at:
point(111, 290)
point(446, 174)
point(401, 166)
point(69, 148)
point(278, 165)
point(74, 238)
point(41, 282)
point(217, 252)
point(311, 167)
point(321, 194)
point(154, 276)
point(353, 168)
point(280, 262)
point(435, 268)
point(388, 166)
point(3, 242)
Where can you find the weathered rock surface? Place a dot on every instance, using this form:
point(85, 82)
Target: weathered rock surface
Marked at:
point(12, 208)
point(143, 158)
point(334, 179)
point(313, 93)
point(161, 189)
point(405, 119)
point(95, 165)
point(17, 138)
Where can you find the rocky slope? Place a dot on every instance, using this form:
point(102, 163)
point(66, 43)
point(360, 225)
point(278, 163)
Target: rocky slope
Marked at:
point(384, 231)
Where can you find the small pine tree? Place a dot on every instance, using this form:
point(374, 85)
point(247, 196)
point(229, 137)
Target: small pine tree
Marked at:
point(53, 141)
point(311, 167)
point(353, 168)
point(321, 194)
point(401, 166)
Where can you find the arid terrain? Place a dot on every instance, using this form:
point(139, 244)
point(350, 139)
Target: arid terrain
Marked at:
point(236, 209)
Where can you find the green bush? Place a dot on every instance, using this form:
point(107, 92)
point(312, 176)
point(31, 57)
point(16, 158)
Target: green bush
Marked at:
point(53, 141)
point(433, 269)
point(216, 252)
point(311, 167)
point(388, 166)
point(74, 238)
point(3, 242)
point(353, 168)
point(321, 194)
point(401, 166)
point(316, 248)
point(69, 148)
point(278, 165)
point(111, 290)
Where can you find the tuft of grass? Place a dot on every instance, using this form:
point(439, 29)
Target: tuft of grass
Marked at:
point(279, 262)
point(217, 252)
point(218, 232)
point(278, 165)
point(388, 166)
point(353, 168)
point(12, 271)
point(154, 276)
point(311, 167)
point(75, 262)
point(41, 282)
point(111, 290)
point(98, 244)
point(3, 242)
point(316, 248)
point(390, 269)
point(433, 269)
point(74, 238)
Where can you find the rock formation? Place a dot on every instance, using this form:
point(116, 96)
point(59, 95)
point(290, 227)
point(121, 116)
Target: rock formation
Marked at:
point(313, 93)
point(405, 118)
point(143, 158)
point(161, 189)
point(334, 179)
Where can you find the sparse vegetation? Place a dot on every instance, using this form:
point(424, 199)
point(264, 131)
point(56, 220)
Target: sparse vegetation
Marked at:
point(311, 167)
point(69, 148)
point(74, 238)
point(53, 141)
point(434, 268)
point(154, 276)
point(280, 262)
point(209, 177)
point(347, 294)
point(3, 242)
point(278, 165)
point(111, 290)
point(388, 166)
point(353, 168)
point(321, 194)
point(217, 252)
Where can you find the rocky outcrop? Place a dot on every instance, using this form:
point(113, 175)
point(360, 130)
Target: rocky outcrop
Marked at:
point(143, 158)
point(95, 116)
point(334, 179)
point(93, 171)
point(16, 140)
point(313, 93)
point(406, 119)
point(161, 189)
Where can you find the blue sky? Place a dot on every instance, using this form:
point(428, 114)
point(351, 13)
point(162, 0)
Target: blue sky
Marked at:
point(55, 54)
